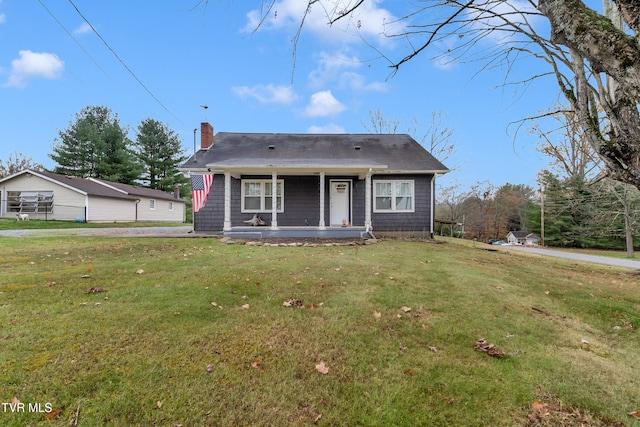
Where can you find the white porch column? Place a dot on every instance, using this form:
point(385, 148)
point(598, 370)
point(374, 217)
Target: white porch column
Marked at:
point(322, 224)
point(227, 202)
point(274, 201)
point(367, 201)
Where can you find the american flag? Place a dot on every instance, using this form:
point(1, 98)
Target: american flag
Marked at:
point(200, 187)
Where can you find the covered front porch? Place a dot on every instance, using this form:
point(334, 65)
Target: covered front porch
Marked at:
point(306, 204)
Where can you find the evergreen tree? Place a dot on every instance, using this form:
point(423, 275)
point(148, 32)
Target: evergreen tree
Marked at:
point(579, 214)
point(96, 146)
point(160, 152)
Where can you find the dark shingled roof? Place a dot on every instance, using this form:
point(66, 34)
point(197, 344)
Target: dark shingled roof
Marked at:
point(399, 153)
point(135, 190)
point(101, 188)
point(523, 234)
point(86, 186)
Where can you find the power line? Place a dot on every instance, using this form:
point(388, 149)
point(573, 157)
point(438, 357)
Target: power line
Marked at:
point(124, 64)
point(75, 40)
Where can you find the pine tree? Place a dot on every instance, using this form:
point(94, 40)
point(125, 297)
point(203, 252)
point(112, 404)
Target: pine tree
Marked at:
point(96, 146)
point(160, 151)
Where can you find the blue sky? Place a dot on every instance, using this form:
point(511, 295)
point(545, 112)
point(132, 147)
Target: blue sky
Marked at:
point(52, 64)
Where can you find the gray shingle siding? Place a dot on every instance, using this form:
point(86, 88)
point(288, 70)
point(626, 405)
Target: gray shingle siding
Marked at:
point(211, 217)
point(301, 194)
point(419, 220)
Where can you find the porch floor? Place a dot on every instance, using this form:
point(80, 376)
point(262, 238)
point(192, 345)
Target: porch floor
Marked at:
point(299, 232)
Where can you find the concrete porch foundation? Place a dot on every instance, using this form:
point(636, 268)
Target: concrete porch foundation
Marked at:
point(299, 232)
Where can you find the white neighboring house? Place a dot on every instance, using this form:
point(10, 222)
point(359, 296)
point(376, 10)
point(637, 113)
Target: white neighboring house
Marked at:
point(522, 238)
point(50, 196)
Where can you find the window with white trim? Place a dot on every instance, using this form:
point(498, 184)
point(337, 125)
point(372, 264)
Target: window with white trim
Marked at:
point(393, 196)
point(257, 195)
point(152, 204)
point(170, 206)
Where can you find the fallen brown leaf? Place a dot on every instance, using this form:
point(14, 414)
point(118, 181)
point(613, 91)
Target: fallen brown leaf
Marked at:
point(540, 407)
point(635, 414)
point(377, 314)
point(405, 309)
point(210, 367)
point(490, 349)
point(293, 302)
point(52, 414)
point(322, 368)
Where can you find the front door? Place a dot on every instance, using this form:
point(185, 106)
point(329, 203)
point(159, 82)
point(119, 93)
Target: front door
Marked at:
point(340, 201)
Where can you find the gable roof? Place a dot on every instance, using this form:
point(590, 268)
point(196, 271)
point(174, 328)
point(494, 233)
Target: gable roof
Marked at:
point(248, 152)
point(135, 190)
point(523, 235)
point(96, 187)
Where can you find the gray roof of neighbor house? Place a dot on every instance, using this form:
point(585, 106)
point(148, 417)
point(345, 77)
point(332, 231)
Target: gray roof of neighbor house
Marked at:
point(99, 188)
point(388, 153)
point(135, 190)
point(523, 234)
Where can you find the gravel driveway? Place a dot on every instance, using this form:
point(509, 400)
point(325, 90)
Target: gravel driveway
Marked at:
point(618, 262)
point(184, 231)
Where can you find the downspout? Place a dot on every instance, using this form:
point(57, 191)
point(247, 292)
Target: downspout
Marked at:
point(137, 202)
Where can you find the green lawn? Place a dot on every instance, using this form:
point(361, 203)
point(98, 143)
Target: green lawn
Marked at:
point(194, 332)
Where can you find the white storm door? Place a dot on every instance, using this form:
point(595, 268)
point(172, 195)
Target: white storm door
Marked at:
point(340, 200)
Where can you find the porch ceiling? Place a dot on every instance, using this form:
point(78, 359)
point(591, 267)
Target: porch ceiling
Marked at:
point(297, 169)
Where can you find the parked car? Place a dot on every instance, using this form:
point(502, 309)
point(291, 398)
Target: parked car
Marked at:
point(498, 242)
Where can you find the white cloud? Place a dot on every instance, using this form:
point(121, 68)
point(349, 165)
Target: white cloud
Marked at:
point(330, 66)
point(3, 18)
point(84, 28)
point(357, 81)
point(267, 94)
point(340, 67)
point(330, 128)
point(323, 104)
point(368, 20)
point(33, 65)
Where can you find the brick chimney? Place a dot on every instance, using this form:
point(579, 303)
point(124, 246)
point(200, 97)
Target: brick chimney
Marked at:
point(206, 135)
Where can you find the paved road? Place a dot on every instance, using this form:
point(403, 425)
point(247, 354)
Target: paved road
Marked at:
point(183, 231)
point(618, 262)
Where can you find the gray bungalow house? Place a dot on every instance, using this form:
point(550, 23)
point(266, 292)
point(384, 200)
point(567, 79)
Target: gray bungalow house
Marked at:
point(330, 185)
